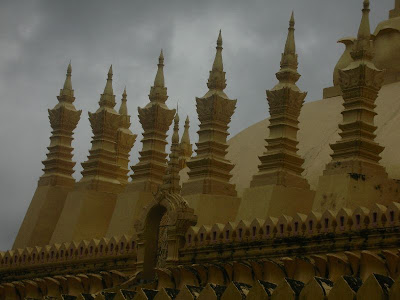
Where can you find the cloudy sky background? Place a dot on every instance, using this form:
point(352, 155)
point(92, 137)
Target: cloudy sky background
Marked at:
point(38, 38)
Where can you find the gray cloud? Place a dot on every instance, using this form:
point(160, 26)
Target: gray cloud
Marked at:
point(38, 38)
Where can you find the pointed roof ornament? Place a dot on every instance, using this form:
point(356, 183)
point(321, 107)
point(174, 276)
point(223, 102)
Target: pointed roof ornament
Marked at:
point(159, 80)
point(108, 89)
point(216, 80)
point(185, 136)
point(288, 75)
point(175, 135)
point(158, 92)
point(67, 88)
point(363, 48)
point(123, 110)
point(289, 56)
point(107, 98)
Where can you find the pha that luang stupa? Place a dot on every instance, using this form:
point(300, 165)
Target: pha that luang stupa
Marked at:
point(302, 205)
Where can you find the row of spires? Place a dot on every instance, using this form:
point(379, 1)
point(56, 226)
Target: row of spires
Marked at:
point(216, 83)
point(287, 77)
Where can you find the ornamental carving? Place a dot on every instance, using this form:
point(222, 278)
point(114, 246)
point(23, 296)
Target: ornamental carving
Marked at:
point(156, 117)
point(285, 100)
point(215, 108)
point(104, 121)
point(64, 118)
point(361, 76)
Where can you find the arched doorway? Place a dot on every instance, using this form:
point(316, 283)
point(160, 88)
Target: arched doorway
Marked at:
point(176, 217)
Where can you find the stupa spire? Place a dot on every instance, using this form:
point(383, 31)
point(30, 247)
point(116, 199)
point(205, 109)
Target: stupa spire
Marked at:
point(158, 92)
point(156, 119)
point(356, 152)
point(107, 99)
point(209, 169)
point(58, 167)
point(216, 80)
point(172, 178)
point(280, 164)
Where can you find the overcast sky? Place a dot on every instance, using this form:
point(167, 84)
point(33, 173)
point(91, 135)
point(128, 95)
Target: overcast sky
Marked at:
point(38, 38)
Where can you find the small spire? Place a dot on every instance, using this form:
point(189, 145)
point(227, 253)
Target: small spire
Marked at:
point(216, 80)
point(175, 136)
point(288, 74)
point(67, 89)
point(107, 98)
point(219, 40)
point(108, 89)
point(290, 46)
point(185, 136)
point(364, 32)
point(159, 80)
point(362, 49)
point(158, 92)
point(123, 110)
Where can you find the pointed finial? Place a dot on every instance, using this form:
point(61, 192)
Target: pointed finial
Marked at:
point(176, 120)
point(219, 40)
point(216, 80)
point(291, 22)
point(288, 74)
point(290, 46)
point(159, 80)
point(107, 99)
point(108, 89)
point(67, 88)
point(187, 121)
point(363, 48)
point(123, 110)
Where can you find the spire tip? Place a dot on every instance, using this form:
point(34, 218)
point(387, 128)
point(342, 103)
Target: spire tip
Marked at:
point(219, 40)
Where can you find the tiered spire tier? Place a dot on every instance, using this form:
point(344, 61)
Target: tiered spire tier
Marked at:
point(101, 166)
point(280, 164)
point(125, 140)
point(155, 118)
point(357, 151)
point(209, 169)
point(58, 167)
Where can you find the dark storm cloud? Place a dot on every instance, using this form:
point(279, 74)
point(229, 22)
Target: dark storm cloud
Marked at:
point(38, 38)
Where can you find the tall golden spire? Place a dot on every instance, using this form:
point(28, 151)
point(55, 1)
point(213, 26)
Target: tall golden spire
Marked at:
point(363, 49)
point(280, 164)
point(67, 89)
point(107, 99)
point(186, 148)
point(158, 92)
point(58, 167)
point(216, 80)
point(156, 119)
